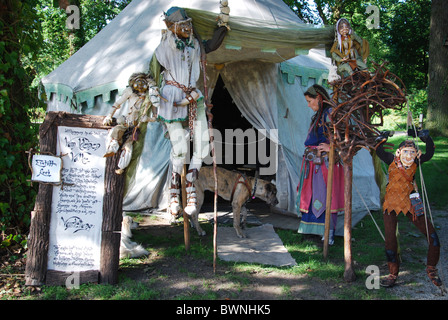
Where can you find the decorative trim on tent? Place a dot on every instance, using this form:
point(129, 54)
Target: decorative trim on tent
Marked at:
point(65, 93)
point(292, 71)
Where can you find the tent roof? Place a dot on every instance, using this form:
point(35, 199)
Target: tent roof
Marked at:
point(260, 29)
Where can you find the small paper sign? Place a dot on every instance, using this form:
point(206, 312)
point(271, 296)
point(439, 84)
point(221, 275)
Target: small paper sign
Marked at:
point(46, 169)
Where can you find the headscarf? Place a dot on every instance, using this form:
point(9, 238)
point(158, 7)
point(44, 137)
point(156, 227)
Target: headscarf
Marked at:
point(315, 90)
point(319, 92)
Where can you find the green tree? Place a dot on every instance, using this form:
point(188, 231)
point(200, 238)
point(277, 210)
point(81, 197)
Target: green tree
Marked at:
point(34, 40)
point(406, 34)
point(61, 42)
point(19, 36)
point(402, 38)
point(438, 68)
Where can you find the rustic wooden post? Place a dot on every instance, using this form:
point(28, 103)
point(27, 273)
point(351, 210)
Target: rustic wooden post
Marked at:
point(36, 265)
point(349, 273)
point(39, 237)
point(112, 218)
point(184, 214)
point(329, 194)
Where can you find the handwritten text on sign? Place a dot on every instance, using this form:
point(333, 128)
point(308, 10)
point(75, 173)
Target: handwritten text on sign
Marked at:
point(77, 207)
point(46, 168)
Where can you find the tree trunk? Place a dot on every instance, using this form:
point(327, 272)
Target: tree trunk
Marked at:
point(438, 68)
point(349, 273)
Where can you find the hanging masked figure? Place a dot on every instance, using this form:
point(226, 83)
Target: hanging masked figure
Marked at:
point(177, 61)
point(402, 196)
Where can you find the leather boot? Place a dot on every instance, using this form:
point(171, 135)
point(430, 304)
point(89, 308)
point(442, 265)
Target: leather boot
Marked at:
point(433, 275)
point(175, 194)
point(192, 202)
point(389, 282)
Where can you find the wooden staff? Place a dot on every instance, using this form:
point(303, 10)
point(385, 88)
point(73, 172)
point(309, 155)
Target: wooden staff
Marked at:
point(349, 273)
point(209, 107)
point(329, 194)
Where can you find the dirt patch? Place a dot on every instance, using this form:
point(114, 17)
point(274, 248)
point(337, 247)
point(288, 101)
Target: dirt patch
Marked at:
point(415, 284)
point(187, 277)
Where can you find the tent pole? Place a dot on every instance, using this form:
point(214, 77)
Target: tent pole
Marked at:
point(329, 194)
point(215, 201)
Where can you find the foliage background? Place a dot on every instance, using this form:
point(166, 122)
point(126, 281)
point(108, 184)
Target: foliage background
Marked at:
point(34, 40)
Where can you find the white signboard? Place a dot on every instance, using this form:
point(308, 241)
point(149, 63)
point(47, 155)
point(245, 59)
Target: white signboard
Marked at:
point(77, 206)
point(46, 168)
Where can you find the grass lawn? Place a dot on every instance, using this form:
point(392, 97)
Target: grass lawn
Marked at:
point(367, 250)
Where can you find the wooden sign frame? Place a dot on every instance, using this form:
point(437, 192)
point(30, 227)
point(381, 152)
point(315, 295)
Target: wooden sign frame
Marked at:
point(36, 273)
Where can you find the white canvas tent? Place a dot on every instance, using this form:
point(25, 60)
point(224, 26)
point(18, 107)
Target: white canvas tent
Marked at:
point(267, 62)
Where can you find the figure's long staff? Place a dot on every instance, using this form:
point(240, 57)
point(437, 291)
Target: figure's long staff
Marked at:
point(329, 196)
point(209, 106)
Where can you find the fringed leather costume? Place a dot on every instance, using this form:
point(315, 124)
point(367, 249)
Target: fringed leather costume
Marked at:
point(400, 186)
point(397, 199)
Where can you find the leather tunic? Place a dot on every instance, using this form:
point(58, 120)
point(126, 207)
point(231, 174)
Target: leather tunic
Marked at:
point(400, 186)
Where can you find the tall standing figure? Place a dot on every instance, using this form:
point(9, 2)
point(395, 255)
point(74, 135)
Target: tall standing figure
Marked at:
point(312, 188)
point(178, 59)
point(402, 196)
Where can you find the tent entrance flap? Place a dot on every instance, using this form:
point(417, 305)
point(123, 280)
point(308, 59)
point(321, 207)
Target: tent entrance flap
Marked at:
point(239, 146)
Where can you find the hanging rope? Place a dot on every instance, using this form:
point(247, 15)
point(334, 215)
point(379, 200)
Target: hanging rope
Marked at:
point(424, 194)
point(368, 210)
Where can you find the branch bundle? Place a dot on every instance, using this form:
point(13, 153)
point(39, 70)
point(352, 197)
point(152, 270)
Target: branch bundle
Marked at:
point(358, 104)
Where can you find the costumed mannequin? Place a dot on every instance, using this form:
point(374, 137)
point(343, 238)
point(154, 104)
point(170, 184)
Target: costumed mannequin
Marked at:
point(312, 188)
point(141, 95)
point(177, 59)
point(401, 196)
point(349, 51)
